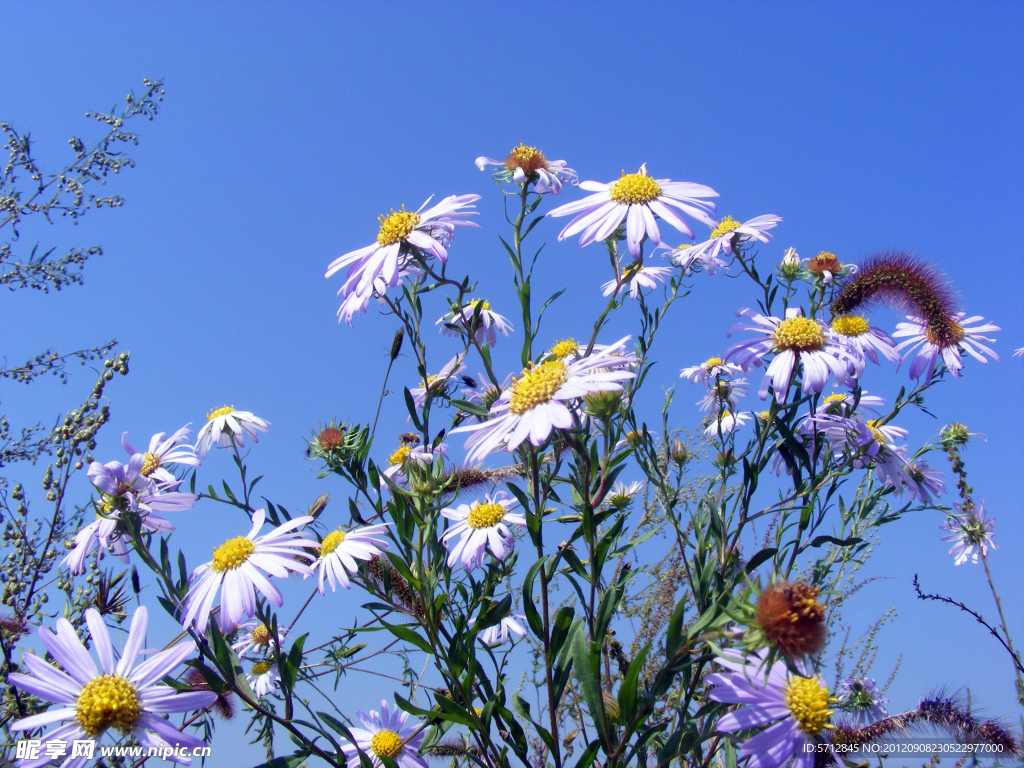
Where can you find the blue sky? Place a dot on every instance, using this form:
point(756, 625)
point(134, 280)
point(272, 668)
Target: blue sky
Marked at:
point(287, 131)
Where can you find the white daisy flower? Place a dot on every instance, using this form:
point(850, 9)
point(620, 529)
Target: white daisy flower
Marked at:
point(255, 639)
point(712, 368)
point(340, 549)
point(485, 327)
point(622, 495)
point(794, 339)
point(636, 276)
point(225, 426)
point(403, 236)
point(481, 525)
point(241, 565)
point(726, 235)
point(871, 444)
point(385, 735)
point(118, 694)
point(529, 163)
point(919, 337)
point(421, 455)
point(723, 394)
point(263, 678)
point(637, 198)
point(724, 423)
point(500, 633)
point(162, 451)
point(540, 400)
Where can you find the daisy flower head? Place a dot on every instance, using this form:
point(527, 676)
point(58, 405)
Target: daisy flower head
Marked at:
point(340, 549)
point(124, 492)
point(971, 533)
point(712, 368)
point(227, 427)
point(240, 566)
point(724, 423)
point(410, 452)
point(622, 495)
point(635, 277)
point(826, 266)
point(525, 164)
point(500, 633)
point(437, 383)
point(796, 339)
point(798, 706)
point(162, 451)
point(723, 395)
point(871, 444)
point(385, 735)
point(117, 694)
point(404, 236)
point(924, 483)
point(931, 343)
point(679, 256)
point(477, 318)
point(543, 399)
point(726, 235)
point(638, 199)
point(264, 678)
point(861, 701)
point(864, 341)
point(255, 638)
point(480, 526)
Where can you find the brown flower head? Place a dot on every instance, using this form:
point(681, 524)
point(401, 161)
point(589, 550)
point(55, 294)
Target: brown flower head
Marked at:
point(791, 618)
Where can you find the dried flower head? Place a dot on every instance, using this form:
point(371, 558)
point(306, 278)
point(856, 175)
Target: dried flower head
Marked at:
point(791, 618)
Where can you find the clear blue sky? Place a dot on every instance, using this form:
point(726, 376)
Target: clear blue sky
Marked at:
point(287, 130)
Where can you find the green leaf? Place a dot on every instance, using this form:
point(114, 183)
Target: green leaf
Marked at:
point(474, 408)
point(292, 761)
point(819, 540)
point(588, 684)
point(627, 691)
point(407, 635)
point(560, 631)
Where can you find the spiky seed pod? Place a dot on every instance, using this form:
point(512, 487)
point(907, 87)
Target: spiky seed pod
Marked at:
point(905, 283)
point(400, 591)
point(792, 619)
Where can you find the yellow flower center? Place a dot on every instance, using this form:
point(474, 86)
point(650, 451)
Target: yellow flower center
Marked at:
point(530, 159)
point(232, 553)
point(396, 227)
point(261, 667)
point(711, 363)
point(634, 188)
point(220, 412)
point(876, 432)
point(850, 325)
point(331, 542)
point(398, 457)
point(105, 701)
point(386, 744)
point(483, 303)
point(485, 515)
point(799, 334)
point(260, 635)
point(725, 226)
point(631, 271)
point(565, 347)
point(537, 386)
point(764, 415)
point(633, 438)
point(150, 463)
point(833, 399)
point(807, 699)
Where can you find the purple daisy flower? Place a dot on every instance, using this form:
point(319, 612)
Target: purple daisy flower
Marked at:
point(637, 198)
point(241, 566)
point(225, 426)
point(864, 341)
point(919, 337)
point(712, 368)
point(436, 382)
point(861, 701)
point(972, 533)
point(340, 549)
point(486, 326)
point(162, 451)
point(800, 705)
point(726, 235)
point(481, 525)
point(118, 694)
point(386, 735)
point(256, 639)
point(403, 235)
point(795, 339)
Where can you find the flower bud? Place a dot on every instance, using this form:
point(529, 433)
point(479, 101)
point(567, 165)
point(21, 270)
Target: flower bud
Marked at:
point(611, 706)
point(680, 454)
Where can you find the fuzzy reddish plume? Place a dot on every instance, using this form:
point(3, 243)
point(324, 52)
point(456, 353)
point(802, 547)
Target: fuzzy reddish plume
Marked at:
point(792, 618)
point(907, 284)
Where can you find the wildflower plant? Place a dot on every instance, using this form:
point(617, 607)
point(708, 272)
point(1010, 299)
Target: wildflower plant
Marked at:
point(556, 576)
